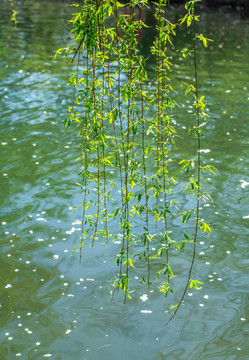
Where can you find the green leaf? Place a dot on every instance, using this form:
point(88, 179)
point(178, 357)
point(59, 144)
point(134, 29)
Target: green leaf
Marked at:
point(194, 283)
point(184, 216)
point(187, 237)
point(204, 40)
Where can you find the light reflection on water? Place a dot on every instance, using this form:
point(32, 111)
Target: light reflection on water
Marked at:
point(50, 305)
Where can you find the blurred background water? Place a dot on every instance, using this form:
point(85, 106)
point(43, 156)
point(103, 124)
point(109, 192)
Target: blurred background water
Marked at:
point(50, 305)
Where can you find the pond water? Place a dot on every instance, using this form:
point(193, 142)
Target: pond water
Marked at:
point(50, 305)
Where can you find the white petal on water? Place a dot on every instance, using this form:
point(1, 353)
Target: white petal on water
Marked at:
point(205, 151)
point(144, 297)
point(244, 184)
point(77, 222)
point(146, 311)
point(242, 319)
point(28, 331)
point(205, 296)
point(246, 217)
point(68, 332)
point(71, 231)
point(8, 286)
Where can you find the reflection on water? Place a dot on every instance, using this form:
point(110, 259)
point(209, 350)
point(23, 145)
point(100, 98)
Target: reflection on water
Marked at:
point(50, 305)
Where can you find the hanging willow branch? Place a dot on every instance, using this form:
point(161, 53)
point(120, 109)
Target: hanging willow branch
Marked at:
point(191, 18)
point(127, 126)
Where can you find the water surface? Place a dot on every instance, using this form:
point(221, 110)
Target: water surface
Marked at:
point(50, 305)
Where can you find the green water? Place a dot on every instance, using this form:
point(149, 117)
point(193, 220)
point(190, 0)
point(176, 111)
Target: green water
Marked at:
point(50, 305)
